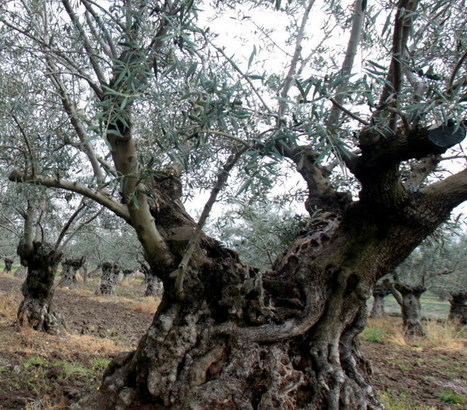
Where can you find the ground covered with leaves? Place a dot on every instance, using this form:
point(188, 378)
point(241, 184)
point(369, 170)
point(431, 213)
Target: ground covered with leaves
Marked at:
point(39, 371)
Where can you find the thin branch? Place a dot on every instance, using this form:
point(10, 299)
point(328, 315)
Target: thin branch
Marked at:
point(32, 157)
point(220, 183)
point(349, 113)
point(346, 69)
point(290, 77)
point(80, 226)
point(74, 119)
point(455, 71)
point(67, 225)
point(106, 35)
point(226, 135)
point(402, 25)
point(87, 45)
point(243, 75)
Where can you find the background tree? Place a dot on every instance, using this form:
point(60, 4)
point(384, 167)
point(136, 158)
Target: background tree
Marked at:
point(453, 287)
point(434, 261)
point(178, 111)
point(258, 231)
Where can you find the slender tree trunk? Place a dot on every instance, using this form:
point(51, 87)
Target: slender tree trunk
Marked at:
point(411, 309)
point(380, 291)
point(458, 310)
point(36, 308)
point(8, 265)
point(108, 279)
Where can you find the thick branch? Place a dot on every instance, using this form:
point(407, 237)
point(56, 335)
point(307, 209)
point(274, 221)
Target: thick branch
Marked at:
point(96, 195)
point(321, 194)
point(450, 192)
point(402, 25)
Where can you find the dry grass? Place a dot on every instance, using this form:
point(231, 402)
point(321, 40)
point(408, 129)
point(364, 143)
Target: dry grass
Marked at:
point(8, 306)
point(148, 305)
point(443, 335)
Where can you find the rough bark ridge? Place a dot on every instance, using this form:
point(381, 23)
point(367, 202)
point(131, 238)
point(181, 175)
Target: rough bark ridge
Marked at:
point(36, 308)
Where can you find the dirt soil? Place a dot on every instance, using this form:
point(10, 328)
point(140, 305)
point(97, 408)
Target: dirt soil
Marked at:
point(40, 371)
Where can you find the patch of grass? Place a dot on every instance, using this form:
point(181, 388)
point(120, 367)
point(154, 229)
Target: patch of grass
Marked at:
point(37, 361)
point(99, 363)
point(72, 370)
point(445, 335)
point(8, 305)
point(373, 334)
point(450, 397)
point(403, 401)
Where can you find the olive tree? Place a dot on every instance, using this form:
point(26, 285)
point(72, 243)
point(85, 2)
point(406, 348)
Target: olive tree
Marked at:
point(177, 111)
point(435, 261)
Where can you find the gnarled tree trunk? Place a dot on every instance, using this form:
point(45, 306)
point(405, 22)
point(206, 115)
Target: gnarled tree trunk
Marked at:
point(108, 279)
point(36, 308)
point(411, 309)
point(70, 268)
point(8, 264)
point(458, 310)
point(380, 291)
point(284, 339)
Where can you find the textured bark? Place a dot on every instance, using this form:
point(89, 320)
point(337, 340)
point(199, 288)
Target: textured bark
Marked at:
point(36, 308)
point(284, 339)
point(458, 310)
point(70, 268)
point(8, 264)
point(411, 309)
point(108, 279)
point(380, 291)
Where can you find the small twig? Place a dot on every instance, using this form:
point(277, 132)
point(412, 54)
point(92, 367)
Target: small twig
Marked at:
point(455, 71)
point(349, 113)
point(220, 183)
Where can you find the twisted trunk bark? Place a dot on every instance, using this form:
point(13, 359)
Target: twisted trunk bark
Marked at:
point(284, 339)
point(36, 308)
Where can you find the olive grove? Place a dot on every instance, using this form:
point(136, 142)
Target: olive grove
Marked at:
point(137, 105)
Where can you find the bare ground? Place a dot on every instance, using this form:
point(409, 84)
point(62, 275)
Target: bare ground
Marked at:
point(40, 371)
